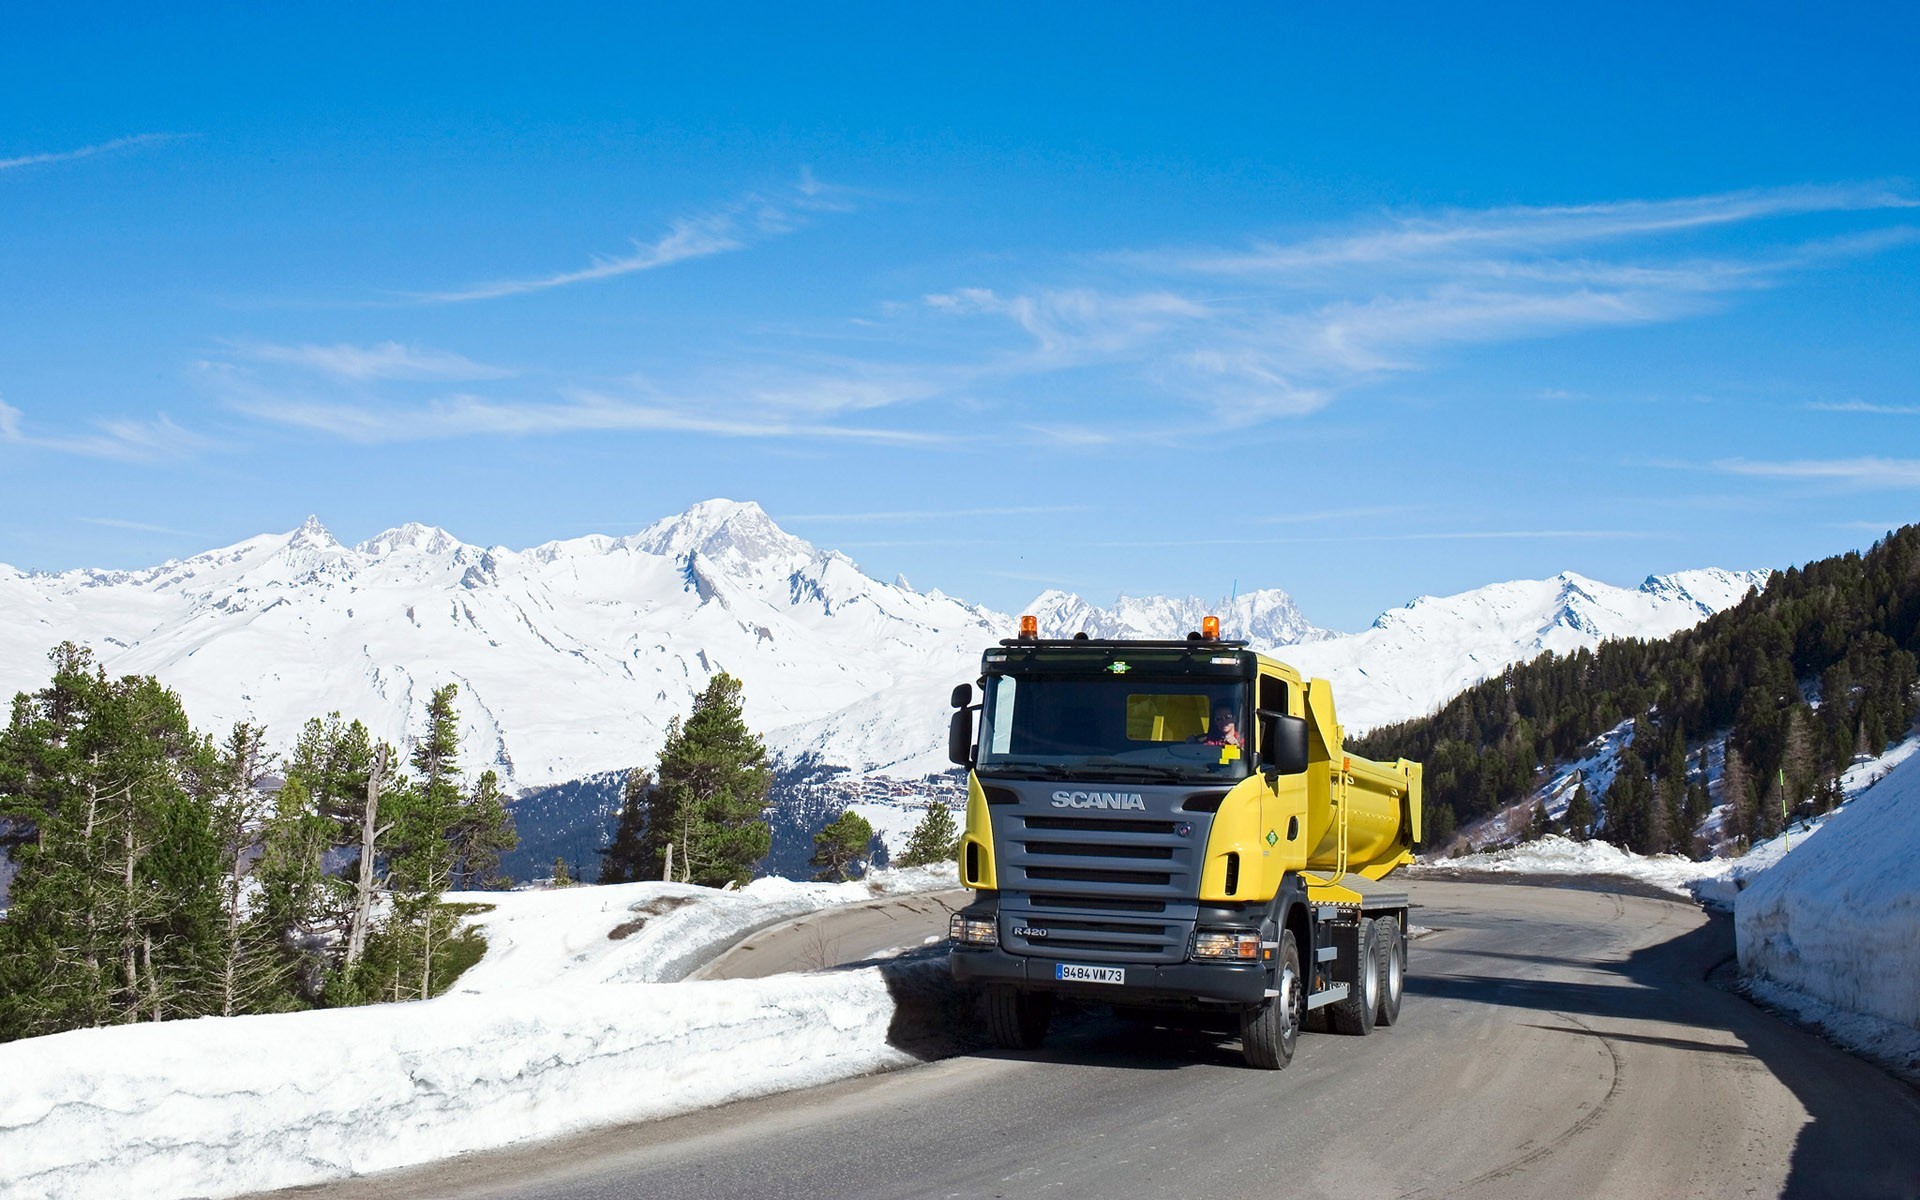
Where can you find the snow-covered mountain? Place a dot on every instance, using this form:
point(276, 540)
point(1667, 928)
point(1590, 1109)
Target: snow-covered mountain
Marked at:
point(573, 656)
point(1265, 618)
point(1415, 658)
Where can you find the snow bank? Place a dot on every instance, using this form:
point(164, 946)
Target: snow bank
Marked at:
point(1839, 918)
point(564, 1025)
point(1556, 855)
point(648, 932)
point(219, 1107)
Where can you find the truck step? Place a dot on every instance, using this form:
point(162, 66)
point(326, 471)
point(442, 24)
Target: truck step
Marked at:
point(1326, 954)
point(1331, 995)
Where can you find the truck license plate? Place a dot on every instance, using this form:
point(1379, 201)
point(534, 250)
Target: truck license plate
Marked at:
point(1074, 973)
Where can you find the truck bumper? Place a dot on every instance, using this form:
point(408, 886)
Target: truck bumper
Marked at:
point(1236, 985)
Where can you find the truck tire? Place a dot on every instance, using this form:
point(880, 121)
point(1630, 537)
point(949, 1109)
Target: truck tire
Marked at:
point(1268, 1033)
point(1354, 1015)
point(1393, 969)
point(1017, 1020)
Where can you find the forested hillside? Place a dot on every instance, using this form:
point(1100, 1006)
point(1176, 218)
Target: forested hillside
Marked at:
point(1800, 677)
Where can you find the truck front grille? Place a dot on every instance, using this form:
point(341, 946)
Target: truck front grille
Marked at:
point(1098, 888)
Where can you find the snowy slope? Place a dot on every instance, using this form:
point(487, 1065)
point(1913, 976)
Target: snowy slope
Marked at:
point(556, 1030)
point(573, 656)
point(1416, 658)
point(1839, 918)
point(1266, 618)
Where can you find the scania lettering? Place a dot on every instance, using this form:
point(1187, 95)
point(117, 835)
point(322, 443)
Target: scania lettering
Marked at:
point(1176, 829)
point(1099, 800)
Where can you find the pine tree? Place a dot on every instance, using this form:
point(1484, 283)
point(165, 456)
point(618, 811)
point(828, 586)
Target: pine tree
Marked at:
point(115, 907)
point(1736, 793)
point(483, 831)
point(840, 848)
point(561, 878)
point(711, 794)
point(424, 822)
point(249, 968)
point(624, 859)
point(935, 839)
point(299, 906)
point(1580, 814)
point(352, 791)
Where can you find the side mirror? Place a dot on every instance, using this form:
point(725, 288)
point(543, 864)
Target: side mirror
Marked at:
point(1283, 743)
point(962, 695)
point(960, 736)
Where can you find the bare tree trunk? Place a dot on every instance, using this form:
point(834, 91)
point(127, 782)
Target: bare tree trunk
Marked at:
point(128, 928)
point(426, 955)
point(90, 905)
point(230, 969)
point(363, 892)
point(666, 876)
point(153, 981)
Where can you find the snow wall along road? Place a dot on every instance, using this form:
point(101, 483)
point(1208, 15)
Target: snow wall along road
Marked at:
point(219, 1107)
point(1839, 918)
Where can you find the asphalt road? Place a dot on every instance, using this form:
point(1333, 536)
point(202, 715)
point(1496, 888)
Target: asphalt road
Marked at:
point(1554, 1043)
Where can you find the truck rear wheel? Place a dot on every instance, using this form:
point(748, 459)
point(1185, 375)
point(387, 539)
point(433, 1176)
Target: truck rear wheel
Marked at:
point(1017, 1020)
point(1268, 1033)
point(1354, 1015)
point(1393, 969)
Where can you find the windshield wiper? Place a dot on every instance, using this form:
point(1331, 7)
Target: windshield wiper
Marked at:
point(1049, 770)
point(1114, 769)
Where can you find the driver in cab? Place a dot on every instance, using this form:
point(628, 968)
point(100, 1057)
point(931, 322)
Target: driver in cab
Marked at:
point(1223, 730)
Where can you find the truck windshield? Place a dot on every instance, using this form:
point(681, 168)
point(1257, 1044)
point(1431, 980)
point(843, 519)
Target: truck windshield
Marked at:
point(1114, 727)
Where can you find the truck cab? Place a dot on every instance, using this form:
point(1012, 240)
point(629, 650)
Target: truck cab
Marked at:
point(1173, 825)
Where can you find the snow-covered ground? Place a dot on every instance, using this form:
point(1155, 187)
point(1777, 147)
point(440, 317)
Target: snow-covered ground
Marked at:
point(561, 1027)
point(1839, 918)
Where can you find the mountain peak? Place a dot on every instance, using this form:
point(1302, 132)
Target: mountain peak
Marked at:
point(312, 533)
point(423, 539)
point(739, 531)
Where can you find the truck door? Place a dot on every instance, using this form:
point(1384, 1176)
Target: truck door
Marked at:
point(1284, 804)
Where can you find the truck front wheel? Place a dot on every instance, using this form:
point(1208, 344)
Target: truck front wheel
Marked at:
point(1017, 1020)
point(1268, 1033)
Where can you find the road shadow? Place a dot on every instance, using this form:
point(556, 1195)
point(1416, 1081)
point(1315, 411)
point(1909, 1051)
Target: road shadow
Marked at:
point(1862, 1135)
point(935, 1018)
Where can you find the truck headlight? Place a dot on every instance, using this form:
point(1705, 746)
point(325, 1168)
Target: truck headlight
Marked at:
point(971, 931)
point(1233, 944)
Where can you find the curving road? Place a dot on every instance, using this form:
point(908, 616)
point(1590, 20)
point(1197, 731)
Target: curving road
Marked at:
point(1554, 1043)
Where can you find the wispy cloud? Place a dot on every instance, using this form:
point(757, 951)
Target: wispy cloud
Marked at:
point(1415, 242)
point(55, 156)
point(753, 218)
point(1854, 472)
point(1452, 535)
point(1336, 514)
point(1120, 349)
point(1863, 406)
point(473, 416)
point(125, 439)
point(935, 514)
point(135, 526)
point(383, 360)
point(1311, 320)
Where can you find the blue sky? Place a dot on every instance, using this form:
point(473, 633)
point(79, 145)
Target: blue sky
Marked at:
point(1106, 298)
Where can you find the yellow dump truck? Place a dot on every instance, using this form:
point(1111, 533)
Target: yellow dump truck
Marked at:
point(1174, 828)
